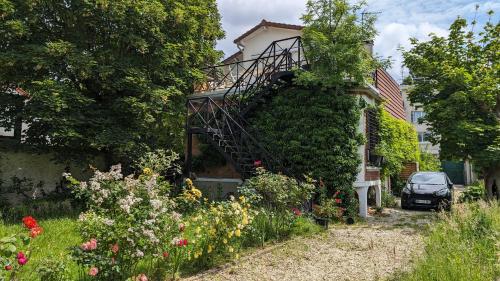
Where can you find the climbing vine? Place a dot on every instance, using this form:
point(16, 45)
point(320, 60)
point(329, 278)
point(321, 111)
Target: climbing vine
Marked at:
point(314, 131)
point(398, 143)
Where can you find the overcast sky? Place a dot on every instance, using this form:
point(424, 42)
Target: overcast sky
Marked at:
point(397, 22)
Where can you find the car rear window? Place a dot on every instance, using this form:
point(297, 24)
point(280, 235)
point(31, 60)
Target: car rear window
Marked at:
point(428, 179)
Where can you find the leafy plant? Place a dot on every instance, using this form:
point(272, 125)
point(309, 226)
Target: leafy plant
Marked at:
point(280, 125)
point(277, 191)
point(111, 78)
point(129, 220)
point(388, 200)
point(429, 162)
point(456, 82)
point(473, 192)
point(398, 144)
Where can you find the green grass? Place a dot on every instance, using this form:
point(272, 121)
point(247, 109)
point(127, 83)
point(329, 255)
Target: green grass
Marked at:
point(53, 244)
point(464, 245)
point(61, 234)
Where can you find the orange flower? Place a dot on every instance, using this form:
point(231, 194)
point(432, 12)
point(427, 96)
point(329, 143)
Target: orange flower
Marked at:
point(35, 231)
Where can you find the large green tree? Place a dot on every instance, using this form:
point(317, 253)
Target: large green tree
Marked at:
point(336, 39)
point(456, 80)
point(103, 76)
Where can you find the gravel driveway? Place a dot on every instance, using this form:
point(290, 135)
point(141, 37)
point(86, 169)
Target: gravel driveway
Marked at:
point(365, 251)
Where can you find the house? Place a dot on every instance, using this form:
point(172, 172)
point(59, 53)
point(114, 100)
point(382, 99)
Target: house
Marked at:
point(267, 52)
point(461, 172)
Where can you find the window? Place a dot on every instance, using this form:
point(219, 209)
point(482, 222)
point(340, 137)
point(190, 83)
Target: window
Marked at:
point(416, 116)
point(423, 137)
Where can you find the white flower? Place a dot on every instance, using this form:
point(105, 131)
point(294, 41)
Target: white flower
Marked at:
point(151, 235)
point(156, 204)
point(108, 222)
point(175, 241)
point(139, 254)
point(116, 172)
point(176, 216)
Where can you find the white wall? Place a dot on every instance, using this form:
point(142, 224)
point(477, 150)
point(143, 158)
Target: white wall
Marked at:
point(257, 42)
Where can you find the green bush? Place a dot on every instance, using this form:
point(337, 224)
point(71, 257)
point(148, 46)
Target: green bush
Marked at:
point(473, 192)
point(276, 191)
point(388, 200)
point(429, 162)
point(292, 126)
point(463, 246)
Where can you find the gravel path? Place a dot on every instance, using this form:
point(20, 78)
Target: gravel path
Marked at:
point(366, 251)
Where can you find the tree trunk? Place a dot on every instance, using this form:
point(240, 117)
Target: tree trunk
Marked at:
point(492, 182)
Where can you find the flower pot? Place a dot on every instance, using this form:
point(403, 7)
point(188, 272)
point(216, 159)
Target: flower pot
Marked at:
point(349, 220)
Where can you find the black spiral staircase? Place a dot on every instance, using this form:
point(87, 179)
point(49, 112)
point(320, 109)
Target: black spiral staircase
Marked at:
point(230, 92)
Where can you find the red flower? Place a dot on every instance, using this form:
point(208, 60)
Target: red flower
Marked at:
point(180, 243)
point(30, 222)
point(257, 163)
point(185, 242)
point(22, 261)
point(35, 231)
point(336, 194)
point(165, 254)
point(8, 267)
point(338, 201)
point(297, 212)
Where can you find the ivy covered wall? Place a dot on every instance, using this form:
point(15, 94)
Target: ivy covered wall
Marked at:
point(398, 143)
point(314, 130)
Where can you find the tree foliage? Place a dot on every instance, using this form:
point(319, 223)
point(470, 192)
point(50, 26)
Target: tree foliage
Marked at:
point(398, 143)
point(335, 39)
point(456, 80)
point(314, 130)
point(103, 76)
point(429, 162)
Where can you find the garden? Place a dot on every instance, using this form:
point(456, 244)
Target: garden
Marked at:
point(137, 227)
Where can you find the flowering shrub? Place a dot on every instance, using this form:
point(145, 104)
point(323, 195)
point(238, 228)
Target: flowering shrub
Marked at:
point(190, 198)
point(276, 191)
point(129, 220)
point(11, 257)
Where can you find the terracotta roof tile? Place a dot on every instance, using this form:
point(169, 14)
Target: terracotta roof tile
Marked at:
point(265, 23)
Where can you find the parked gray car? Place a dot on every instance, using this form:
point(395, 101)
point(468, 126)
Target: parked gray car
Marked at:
point(427, 190)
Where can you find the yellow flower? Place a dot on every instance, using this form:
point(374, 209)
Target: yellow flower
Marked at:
point(189, 182)
point(230, 234)
point(231, 249)
point(245, 219)
point(237, 233)
point(147, 171)
point(198, 229)
point(237, 256)
point(209, 250)
point(224, 241)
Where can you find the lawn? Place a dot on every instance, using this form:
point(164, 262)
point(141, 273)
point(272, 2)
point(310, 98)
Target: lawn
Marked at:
point(59, 235)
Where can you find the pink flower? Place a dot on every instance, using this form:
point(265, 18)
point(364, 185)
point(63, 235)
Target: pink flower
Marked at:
point(20, 255)
point(22, 261)
point(93, 244)
point(90, 245)
point(142, 277)
point(257, 163)
point(115, 248)
point(93, 271)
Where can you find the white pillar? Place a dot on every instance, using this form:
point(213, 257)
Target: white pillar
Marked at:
point(378, 194)
point(363, 200)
